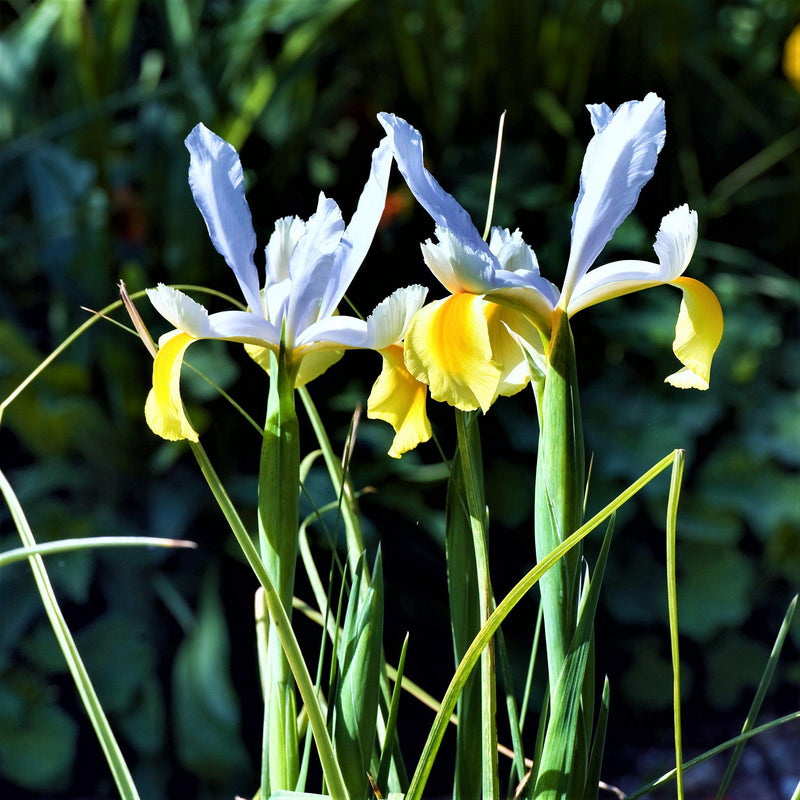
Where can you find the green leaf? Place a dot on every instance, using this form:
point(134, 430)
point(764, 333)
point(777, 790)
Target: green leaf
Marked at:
point(715, 589)
point(358, 686)
point(37, 738)
point(205, 705)
point(562, 768)
point(462, 584)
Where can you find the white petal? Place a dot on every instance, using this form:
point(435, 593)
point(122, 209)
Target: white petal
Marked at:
point(243, 326)
point(547, 292)
point(358, 236)
point(534, 350)
point(674, 246)
point(467, 270)
point(443, 207)
point(389, 321)
point(311, 265)
point(600, 115)
point(181, 311)
point(217, 183)
point(437, 259)
point(287, 233)
point(511, 251)
point(332, 332)
point(276, 301)
point(675, 241)
point(613, 280)
point(619, 160)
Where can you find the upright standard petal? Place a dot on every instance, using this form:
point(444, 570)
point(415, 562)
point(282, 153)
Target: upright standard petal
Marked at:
point(311, 266)
point(619, 160)
point(444, 209)
point(399, 399)
point(360, 232)
point(697, 334)
point(217, 183)
point(287, 233)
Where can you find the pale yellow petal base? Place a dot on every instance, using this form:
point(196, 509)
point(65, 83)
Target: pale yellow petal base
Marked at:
point(164, 408)
point(462, 349)
point(506, 351)
point(399, 399)
point(312, 365)
point(698, 333)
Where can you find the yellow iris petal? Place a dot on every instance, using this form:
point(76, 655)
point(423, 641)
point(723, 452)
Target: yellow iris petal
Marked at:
point(312, 365)
point(506, 351)
point(791, 57)
point(448, 347)
point(697, 334)
point(399, 399)
point(164, 408)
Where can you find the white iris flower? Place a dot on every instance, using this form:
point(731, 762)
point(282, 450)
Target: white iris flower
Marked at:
point(464, 346)
point(309, 266)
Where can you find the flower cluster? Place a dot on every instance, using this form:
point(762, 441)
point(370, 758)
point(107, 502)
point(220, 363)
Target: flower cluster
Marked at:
point(481, 341)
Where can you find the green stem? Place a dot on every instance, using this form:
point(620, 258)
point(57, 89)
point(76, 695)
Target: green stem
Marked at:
point(469, 452)
point(278, 513)
point(559, 492)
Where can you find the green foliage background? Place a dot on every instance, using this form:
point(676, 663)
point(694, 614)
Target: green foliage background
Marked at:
point(95, 100)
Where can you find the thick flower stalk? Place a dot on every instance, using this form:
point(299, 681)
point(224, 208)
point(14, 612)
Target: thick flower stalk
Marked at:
point(289, 328)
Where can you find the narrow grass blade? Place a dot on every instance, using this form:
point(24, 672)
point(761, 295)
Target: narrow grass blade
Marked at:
point(114, 757)
point(672, 602)
point(591, 790)
point(493, 190)
point(518, 769)
point(391, 721)
point(531, 666)
point(761, 691)
point(645, 790)
point(356, 701)
point(472, 655)
point(81, 329)
point(69, 545)
point(341, 482)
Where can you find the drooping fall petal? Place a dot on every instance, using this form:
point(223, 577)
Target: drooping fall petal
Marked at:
point(447, 346)
point(399, 399)
point(697, 334)
point(164, 408)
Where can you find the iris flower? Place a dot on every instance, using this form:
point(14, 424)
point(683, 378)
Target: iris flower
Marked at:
point(309, 266)
point(464, 346)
